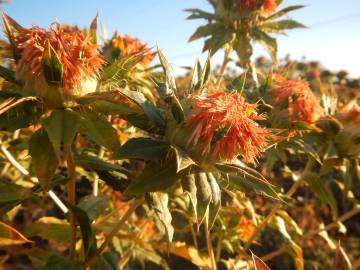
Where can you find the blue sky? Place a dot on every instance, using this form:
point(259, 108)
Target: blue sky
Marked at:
point(333, 37)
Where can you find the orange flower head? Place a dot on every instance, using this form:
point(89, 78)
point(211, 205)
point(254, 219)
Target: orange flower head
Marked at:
point(302, 104)
point(268, 7)
point(80, 59)
point(250, 5)
point(127, 46)
point(223, 125)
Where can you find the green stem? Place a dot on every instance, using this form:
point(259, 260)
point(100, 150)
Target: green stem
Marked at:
point(133, 206)
point(223, 67)
point(210, 247)
point(96, 177)
point(311, 234)
point(344, 217)
point(218, 247)
point(72, 200)
point(292, 190)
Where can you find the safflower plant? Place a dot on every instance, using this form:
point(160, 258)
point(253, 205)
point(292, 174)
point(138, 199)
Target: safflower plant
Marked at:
point(219, 168)
point(61, 78)
point(236, 24)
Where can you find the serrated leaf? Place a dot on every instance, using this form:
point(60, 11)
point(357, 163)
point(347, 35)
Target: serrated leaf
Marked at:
point(98, 128)
point(85, 226)
point(196, 75)
point(267, 41)
point(258, 263)
point(294, 250)
point(59, 262)
point(52, 66)
point(283, 12)
point(297, 254)
point(215, 203)
point(170, 79)
point(93, 29)
point(146, 255)
point(239, 167)
point(204, 31)
point(290, 221)
point(13, 102)
point(20, 115)
point(203, 195)
point(114, 180)
point(280, 26)
point(12, 195)
point(177, 110)
point(61, 127)
point(199, 14)
point(49, 228)
point(322, 192)
point(188, 184)
point(342, 261)
point(153, 113)
point(110, 102)
point(190, 253)
point(205, 74)
point(142, 148)
point(159, 202)
point(307, 148)
point(129, 105)
point(39, 256)
point(11, 26)
point(217, 41)
point(94, 206)
point(183, 160)
point(157, 176)
point(246, 185)
point(92, 162)
point(107, 261)
point(43, 157)
point(10, 236)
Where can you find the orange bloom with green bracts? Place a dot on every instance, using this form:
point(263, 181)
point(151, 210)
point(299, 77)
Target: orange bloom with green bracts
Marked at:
point(224, 125)
point(127, 46)
point(301, 102)
point(80, 59)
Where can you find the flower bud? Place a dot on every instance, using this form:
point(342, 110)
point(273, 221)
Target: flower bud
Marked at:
point(347, 141)
point(126, 46)
point(294, 102)
point(62, 56)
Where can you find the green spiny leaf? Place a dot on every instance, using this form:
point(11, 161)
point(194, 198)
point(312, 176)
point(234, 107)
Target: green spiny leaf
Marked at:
point(159, 202)
point(43, 157)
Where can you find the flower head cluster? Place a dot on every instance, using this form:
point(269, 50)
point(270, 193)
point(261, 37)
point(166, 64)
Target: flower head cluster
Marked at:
point(126, 46)
point(250, 5)
point(224, 125)
point(302, 104)
point(80, 59)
